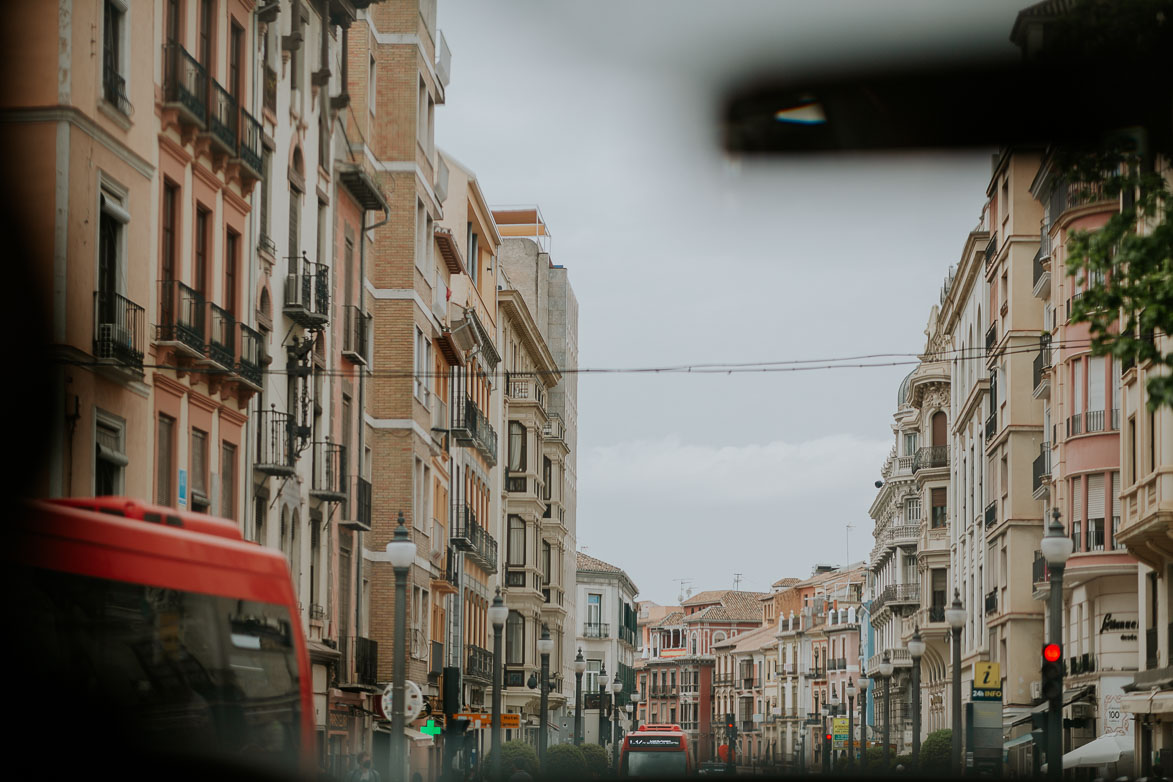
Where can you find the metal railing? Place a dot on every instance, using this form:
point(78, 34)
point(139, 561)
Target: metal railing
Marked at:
point(991, 251)
point(464, 519)
point(275, 442)
point(366, 660)
point(355, 343)
point(185, 82)
point(596, 630)
point(482, 546)
point(181, 315)
point(248, 357)
point(1040, 573)
point(251, 135)
point(991, 338)
point(118, 329)
point(224, 116)
point(221, 336)
point(930, 457)
point(897, 593)
point(992, 602)
point(1150, 646)
point(471, 427)
point(554, 429)
point(1041, 468)
point(1095, 534)
point(307, 292)
point(991, 517)
point(329, 479)
point(525, 389)
point(991, 425)
point(357, 512)
point(114, 87)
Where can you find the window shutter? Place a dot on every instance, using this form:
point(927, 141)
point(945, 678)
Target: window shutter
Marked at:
point(1076, 499)
point(1095, 385)
point(1095, 496)
point(1116, 495)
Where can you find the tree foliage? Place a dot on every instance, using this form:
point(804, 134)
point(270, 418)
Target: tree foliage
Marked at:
point(516, 752)
point(936, 749)
point(598, 764)
point(564, 761)
point(1128, 261)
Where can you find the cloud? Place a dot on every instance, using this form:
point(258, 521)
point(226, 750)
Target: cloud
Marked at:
point(730, 473)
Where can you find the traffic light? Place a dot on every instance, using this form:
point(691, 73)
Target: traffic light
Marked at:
point(730, 727)
point(1052, 672)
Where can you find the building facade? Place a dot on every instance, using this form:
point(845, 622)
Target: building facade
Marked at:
point(606, 635)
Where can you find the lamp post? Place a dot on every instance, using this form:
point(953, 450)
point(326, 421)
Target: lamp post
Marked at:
point(604, 681)
point(850, 723)
point(1057, 547)
point(545, 647)
point(401, 554)
point(863, 684)
point(835, 703)
point(636, 697)
point(579, 669)
point(955, 616)
point(498, 614)
point(916, 648)
point(886, 674)
point(616, 687)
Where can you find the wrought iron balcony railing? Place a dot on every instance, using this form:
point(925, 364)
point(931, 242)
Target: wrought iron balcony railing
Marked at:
point(991, 425)
point(469, 536)
point(991, 517)
point(118, 330)
point(181, 316)
point(355, 337)
point(329, 480)
point(1040, 573)
point(471, 427)
point(251, 135)
point(480, 663)
point(276, 454)
point(248, 357)
point(185, 84)
point(991, 338)
point(223, 116)
point(596, 630)
point(464, 519)
point(114, 87)
point(931, 457)
point(357, 513)
point(221, 336)
point(992, 602)
point(991, 251)
point(307, 292)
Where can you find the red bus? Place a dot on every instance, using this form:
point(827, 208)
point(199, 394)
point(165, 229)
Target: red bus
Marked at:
point(655, 750)
point(167, 630)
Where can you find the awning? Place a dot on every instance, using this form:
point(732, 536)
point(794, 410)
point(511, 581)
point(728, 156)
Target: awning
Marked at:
point(321, 653)
point(1017, 742)
point(1151, 702)
point(1069, 697)
point(1104, 751)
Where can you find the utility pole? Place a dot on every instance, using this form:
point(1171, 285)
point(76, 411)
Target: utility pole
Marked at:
point(737, 581)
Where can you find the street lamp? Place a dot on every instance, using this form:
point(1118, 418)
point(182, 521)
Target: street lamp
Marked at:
point(863, 683)
point(850, 723)
point(498, 614)
point(545, 647)
point(401, 554)
point(616, 688)
point(916, 648)
point(886, 675)
point(635, 698)
point(604, 681)
point(1057, 547)
point(955, 616)
point(835, 703)
point(579, 669)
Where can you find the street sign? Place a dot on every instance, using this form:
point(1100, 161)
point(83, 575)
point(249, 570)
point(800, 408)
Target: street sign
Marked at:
point(839, 731)
point(413, 701)
point(479, 720)
point(976, 694)
point(987, 676)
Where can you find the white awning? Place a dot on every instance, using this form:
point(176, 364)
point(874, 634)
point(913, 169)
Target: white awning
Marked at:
point(1152, 702)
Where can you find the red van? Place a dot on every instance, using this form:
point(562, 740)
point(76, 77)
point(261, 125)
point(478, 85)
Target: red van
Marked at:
point(167, 630)
point(655, 750)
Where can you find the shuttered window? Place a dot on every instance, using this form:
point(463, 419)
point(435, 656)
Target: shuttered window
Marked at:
point(1095, 383)
point(1095, 496)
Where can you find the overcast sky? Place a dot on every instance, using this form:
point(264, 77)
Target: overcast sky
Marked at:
point(606, 117)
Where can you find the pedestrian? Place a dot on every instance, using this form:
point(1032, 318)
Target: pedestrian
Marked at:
point(363, 771)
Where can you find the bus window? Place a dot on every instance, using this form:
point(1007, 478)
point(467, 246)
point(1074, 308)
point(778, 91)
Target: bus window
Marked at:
point(655, 764)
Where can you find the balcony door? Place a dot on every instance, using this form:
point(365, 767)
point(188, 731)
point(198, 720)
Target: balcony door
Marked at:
point(940, 429)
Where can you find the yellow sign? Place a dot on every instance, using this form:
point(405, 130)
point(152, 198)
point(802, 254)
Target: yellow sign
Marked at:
point(477, 720)
point(987, 676)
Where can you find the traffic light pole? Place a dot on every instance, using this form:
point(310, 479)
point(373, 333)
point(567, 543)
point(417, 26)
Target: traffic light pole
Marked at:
point(1055, 712)
point(731, 738)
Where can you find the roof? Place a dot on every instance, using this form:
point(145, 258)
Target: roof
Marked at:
point(588, 564)
point(730, 606)
point(785, 582)
point(752, 639)
point(674, 618)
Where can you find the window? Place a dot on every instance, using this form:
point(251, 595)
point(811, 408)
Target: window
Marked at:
point(231, 265)
point(590, 681)
point(594, 608)
point(547, 476)
point(1131, 450)
point(545, 563)
point(473, 255)
point(110, 455)
point(423, 364)
point(235, 60)
point(516, 541)
point(315, 555)
point(939, 508)
point(260, 508)
point(266, 180)
point(371, 85)
point(202, 248)
point(198, 463)
point(514, 639)
point(1076, 512)
point(1095, 512)
point(910, 443)
point(516, 447)
point(204, 41)
point(164, 461)
point(111, 257)
point(228, 480)
point(174, 16)
point(912, 511)
point(113, 55)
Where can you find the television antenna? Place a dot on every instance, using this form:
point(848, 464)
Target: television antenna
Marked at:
point(850, 527)
point(737, 581)
point(685, 589)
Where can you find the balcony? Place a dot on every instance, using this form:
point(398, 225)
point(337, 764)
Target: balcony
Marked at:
point(249, 148)
point(355, 335)
point(991, 517)
point(1041, 471)
point(471, 427)
point(522, 388)
point(554, 429)
point(181, 317)
point(1084, 663)
point(480, 663)
point(439, 419)
point(463, 521)
point(329, 481)
point(902, 535)
point(470, 537)
point(270, 89)
point(991, 338)
point(991, 425)
point(223, 118)
point(248, 356)
point(991, 252)
point(307, 292)
point(992, 602)
point(221, 348)
point(185, 86)
point(931, 457)
point(366, 659)
point(118, 331)
point(275, 443)
point(894, 594)
point(356, 515)
point(596, 630)
point(1042, 365)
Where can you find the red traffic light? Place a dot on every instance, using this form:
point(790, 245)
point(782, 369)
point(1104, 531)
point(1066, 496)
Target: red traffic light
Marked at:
point(1052, 653)
point(828, 737)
